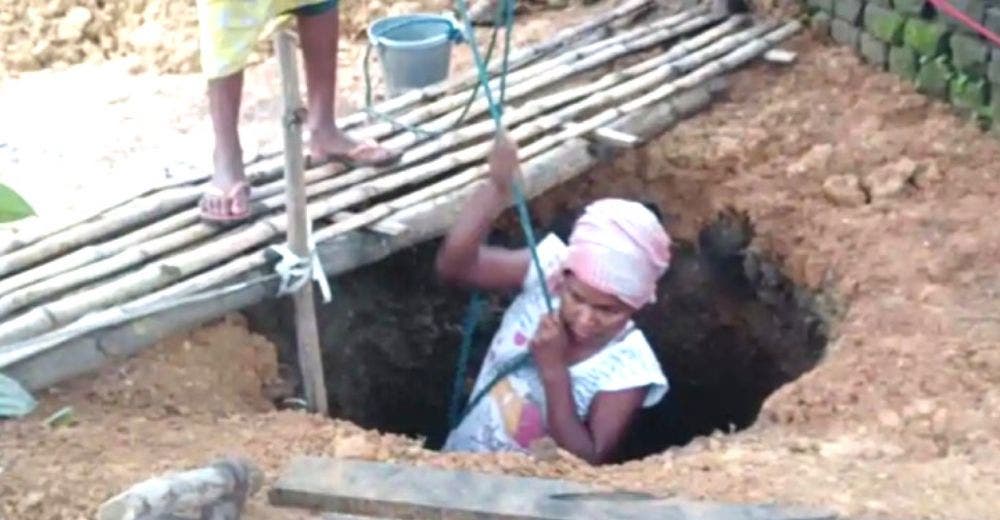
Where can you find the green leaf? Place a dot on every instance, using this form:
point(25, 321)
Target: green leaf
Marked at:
point(12, 206)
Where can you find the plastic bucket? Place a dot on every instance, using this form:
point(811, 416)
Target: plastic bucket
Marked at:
point(414, 49)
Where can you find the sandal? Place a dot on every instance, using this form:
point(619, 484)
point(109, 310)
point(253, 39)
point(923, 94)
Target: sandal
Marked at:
point(229, 199)
point(380, 159)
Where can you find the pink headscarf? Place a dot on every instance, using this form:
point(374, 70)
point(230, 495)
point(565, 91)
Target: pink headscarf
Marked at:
point(619, 247)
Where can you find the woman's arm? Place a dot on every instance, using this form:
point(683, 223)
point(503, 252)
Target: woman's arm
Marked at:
point(610, 415)
point(463, 258)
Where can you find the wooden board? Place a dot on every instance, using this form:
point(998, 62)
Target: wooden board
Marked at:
point(404, 492)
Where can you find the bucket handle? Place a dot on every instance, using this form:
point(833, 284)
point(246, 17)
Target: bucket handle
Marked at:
point(455, 32)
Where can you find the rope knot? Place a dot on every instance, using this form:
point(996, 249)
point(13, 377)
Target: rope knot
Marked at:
point(296, 271)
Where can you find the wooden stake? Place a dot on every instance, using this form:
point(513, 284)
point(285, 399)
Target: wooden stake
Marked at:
point(306, 333)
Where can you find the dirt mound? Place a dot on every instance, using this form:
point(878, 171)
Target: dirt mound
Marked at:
point(160, 34)
point(154, 35)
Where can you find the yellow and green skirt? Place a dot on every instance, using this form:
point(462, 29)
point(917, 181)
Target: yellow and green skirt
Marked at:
point(229, 29)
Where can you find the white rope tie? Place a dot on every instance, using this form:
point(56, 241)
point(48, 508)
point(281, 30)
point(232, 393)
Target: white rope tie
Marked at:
point(295, 271)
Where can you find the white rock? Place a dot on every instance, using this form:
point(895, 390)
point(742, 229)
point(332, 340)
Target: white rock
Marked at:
point(72, 26)
point(844, 190)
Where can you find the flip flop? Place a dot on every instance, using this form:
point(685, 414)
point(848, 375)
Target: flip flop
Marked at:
point(350, 158)
point(238, 189)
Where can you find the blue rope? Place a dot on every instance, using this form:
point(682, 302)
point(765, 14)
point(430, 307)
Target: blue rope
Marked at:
point(456, 413)
point(472, 315)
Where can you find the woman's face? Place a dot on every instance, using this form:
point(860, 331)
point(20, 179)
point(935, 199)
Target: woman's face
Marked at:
point(591, 317)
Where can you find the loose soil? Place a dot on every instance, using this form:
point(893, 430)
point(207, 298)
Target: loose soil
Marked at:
point(901, 419)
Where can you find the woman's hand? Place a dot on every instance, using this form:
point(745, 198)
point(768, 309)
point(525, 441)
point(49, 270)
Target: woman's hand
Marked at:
point(504, 164)
point(463, 258)
point(550, 345)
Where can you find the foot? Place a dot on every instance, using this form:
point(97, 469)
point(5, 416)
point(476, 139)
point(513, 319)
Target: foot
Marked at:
point(333, 143)
point(228, 197)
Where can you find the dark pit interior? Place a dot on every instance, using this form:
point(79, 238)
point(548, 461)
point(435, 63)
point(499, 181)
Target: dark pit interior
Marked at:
point(728, 328)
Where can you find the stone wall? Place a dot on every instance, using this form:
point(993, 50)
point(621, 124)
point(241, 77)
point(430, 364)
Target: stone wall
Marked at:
point(943, 57)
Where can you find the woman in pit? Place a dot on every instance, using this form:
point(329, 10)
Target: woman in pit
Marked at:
point(591, 369)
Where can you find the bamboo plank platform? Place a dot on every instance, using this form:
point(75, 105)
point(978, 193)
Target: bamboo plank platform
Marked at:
point(73, 299)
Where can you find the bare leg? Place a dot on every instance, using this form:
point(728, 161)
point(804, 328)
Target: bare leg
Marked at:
point(224, 105)
point(320, 35)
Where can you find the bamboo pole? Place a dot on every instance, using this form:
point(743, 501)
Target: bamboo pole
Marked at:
point(540, 69)
point(447, 110)
point(524, 84)
point(149, 319)
point(517, 59)
point(263, 230)
point(33, 229)
point(92, 341)
point(475, 131)
point(140, 246)
point(146, 209)
point(137, 212)
point(306, 331)
point(447, 189)
point(95, 253)
point(175, 268)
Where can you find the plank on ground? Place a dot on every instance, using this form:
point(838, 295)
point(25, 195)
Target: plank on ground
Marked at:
point(373, 488)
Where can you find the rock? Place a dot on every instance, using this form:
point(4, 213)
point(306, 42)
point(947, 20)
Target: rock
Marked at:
point(890, 180)
point(557, 4)
point(816, 159)
point(844, 190)
point(923, 407)
point(42, 51)
point(874, 51)
point(802, 445)
point(56, 8)
point(843, 448)
point(820, 25)
point(903, 61)
point(890, 419)
point(939, 421)
point(147, 36)
point(545, 450)
point(23, 61)
point(844, 33)
point(71, 27)
point(32, 500)
point(814, 272)
point(926, 175)
point(354, 447)
point(987, 360)
point(92, 52)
